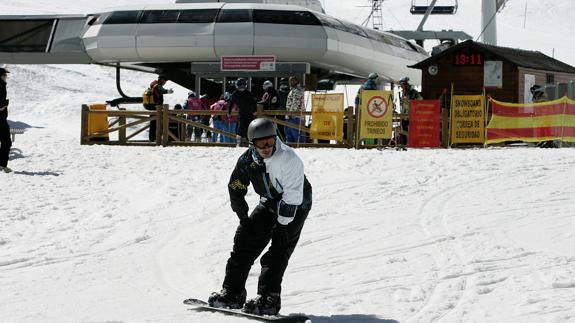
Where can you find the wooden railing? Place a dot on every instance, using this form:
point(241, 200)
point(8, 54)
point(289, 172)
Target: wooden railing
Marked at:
point(126, 125)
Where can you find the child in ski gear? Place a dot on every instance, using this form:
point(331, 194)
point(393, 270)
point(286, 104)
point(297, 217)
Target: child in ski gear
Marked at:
point(230, 121)
point(5, 140)
point(277, 175)
point(217, 120)
point(194, 103)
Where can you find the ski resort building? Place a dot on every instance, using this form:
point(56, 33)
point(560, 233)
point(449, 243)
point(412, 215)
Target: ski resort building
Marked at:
point(506, 74)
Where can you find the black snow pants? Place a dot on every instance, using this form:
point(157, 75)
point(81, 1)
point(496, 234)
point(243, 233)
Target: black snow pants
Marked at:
point(5, 143)
point(249, 242)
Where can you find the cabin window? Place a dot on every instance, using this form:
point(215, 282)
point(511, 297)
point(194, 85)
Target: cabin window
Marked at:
point(122, 17)
point(95, 20)
point(550, 78)
point(353, 29)
point(328, 21)
point(234, 15)
point(160, 17)
point(285, 17)
point(343, 26)
point(198, 16)
point(379, 36)
point(25, 35)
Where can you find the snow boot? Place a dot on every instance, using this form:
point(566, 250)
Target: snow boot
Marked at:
point(269, 304)
point(5, 169)
point(227, 299)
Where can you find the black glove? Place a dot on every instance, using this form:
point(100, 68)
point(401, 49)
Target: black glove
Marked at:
point(281, 235)
point(271, 205)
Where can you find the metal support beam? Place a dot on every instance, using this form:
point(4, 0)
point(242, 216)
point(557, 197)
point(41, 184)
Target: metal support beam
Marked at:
point(427, 13)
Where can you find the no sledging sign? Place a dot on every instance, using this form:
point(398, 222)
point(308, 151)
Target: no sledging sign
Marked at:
point(375, 121)
point(377, 107)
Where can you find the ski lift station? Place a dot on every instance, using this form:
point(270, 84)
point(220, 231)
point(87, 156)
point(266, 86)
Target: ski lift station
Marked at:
point(201, 43)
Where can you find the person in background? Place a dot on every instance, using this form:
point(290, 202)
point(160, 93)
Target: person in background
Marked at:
point(408, 93)
point(270, 100)
point(5, 140)
point(158, 92)
point(295, 103)
point(538, 95)
point(276, 174)
point(243, 100)
point(176, 127)
point(195, 104)
point(206, 103)
point(283, 93)
point(370, 84)
point(217, 120)
point(229, 121)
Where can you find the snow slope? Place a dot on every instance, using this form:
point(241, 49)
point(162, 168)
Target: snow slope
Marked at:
point(110, 234)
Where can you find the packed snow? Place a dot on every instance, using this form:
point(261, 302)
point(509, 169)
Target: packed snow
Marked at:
point(124, 234)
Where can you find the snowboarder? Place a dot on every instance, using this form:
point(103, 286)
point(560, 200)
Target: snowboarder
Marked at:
point(5, 141)
point(277, 175)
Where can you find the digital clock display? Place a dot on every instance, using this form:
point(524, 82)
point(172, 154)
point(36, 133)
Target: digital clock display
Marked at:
point(463, 59)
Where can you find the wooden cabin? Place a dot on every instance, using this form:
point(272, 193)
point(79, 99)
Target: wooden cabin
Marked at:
point(507, 74)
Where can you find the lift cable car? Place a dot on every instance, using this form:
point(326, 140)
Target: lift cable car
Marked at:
point(417, 8)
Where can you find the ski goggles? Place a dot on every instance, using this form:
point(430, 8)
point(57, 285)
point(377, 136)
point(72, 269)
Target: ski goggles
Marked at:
point(265, 143)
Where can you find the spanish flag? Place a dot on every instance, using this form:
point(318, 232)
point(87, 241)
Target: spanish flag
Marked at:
point(552, 120)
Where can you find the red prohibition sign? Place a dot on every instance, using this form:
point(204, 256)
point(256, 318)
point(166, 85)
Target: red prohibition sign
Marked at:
point(376, 107)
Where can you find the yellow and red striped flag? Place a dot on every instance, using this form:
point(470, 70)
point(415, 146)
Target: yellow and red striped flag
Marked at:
point(553, 120)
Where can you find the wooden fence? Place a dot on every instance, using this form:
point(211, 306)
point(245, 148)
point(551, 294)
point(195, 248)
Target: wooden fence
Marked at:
point(126, 125)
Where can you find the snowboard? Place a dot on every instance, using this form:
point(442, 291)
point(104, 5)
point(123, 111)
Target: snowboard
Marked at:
point(200, 305)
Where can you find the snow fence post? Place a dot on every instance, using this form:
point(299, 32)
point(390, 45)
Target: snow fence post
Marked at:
point(159, 125)
point(165, 124)
point(84, 125)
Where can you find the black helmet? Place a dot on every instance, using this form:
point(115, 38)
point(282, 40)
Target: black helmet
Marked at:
point(404, 80)
point(241, 83)
point(261, 128)
point(3, 71)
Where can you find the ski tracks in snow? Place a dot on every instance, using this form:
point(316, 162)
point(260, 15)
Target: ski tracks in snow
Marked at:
point(450, 273)
point(485, 243)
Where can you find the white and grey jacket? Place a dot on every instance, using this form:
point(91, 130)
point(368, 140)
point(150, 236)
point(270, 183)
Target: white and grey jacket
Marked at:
point(279, 180)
